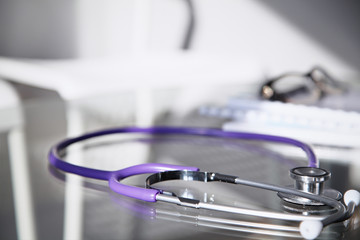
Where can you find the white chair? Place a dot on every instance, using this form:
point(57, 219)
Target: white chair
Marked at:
point(11, 122)
point(78, 78)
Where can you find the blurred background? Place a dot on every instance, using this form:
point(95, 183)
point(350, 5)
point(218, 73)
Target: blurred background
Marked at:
point(72, 66)
point(271, 34)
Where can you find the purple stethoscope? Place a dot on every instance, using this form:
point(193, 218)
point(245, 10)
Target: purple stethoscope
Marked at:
point(308, 192)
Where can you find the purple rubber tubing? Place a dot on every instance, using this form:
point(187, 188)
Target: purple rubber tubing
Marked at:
point(149, 195)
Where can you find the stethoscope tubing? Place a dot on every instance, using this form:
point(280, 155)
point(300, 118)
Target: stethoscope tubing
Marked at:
point(209, 132)
point(113, 176)
point(55, 158)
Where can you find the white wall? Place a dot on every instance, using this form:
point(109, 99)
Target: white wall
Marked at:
point(255, 31)
point(249, 29)
point(37, 28)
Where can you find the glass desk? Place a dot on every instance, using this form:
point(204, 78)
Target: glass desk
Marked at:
point(39, 202)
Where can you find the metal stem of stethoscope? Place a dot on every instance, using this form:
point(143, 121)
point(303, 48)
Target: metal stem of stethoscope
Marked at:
point(310, 227)
point(250, 212)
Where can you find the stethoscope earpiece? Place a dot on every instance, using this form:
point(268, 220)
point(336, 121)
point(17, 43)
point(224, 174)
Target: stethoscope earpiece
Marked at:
point(352, 196)
point(310, 229)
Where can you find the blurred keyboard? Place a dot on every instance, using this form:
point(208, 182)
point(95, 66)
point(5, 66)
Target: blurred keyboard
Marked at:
point(311, 124)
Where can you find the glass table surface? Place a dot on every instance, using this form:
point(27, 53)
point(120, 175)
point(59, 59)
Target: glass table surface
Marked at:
point(40, 202)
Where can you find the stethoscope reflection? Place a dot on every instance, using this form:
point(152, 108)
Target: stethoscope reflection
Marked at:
point(209, 220)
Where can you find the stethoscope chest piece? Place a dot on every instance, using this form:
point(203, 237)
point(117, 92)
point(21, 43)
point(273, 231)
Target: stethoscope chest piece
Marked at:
point(309, 180)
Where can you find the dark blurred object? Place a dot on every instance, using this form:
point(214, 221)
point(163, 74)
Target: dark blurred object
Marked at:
point(316, 87)
point(301, 88)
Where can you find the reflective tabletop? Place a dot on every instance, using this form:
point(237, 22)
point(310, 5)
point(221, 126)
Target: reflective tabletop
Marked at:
point(41, 202)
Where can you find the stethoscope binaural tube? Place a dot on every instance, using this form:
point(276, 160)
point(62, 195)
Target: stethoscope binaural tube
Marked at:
point(192, 131)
